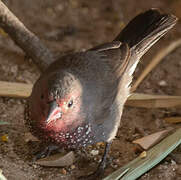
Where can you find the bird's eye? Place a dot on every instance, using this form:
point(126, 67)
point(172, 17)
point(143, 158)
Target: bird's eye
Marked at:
point(70, 103)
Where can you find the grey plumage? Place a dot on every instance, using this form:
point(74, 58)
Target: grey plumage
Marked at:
point(97, 81)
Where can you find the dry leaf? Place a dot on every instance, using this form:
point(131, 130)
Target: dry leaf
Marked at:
point(152, 139)
point(139, 166)
point(8, 89)
point(153, 101)
point(22, 90)
point(173, 119)
point(58, 160)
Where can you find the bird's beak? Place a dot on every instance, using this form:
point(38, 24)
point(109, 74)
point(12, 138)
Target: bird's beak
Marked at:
point(54, 112)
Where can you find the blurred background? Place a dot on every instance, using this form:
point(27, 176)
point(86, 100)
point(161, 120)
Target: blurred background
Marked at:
point(75, 25)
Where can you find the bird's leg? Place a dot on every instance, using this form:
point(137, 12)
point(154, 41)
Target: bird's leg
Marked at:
point(101, 166)
point(103, 162)
point(45, 152)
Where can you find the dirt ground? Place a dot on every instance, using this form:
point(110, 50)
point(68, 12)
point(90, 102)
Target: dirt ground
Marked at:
point(75, 25)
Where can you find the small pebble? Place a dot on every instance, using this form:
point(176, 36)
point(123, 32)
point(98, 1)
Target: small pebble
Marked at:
point(35, 166)
point(173, 162)
point(143, 154)
point(63, 171)
point(116, 161)
point(59, 7)
point(72, 166)
point(162, 83)
point(4, 138)
point(94, 152)
point(14, 69)
point(99, 144)
point(114, 166)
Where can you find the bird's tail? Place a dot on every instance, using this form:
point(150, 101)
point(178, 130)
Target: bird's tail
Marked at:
point(140, 34)
point(145, 30)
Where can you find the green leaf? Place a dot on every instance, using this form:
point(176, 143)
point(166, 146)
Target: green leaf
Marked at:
point(140, 165)
point(2, 177)
point(3, 123)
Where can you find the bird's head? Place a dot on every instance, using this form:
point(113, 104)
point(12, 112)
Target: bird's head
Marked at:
point(56, 102)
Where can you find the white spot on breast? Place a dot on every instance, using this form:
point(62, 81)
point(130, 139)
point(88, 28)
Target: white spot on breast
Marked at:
point(80, 128)
point(88, 130)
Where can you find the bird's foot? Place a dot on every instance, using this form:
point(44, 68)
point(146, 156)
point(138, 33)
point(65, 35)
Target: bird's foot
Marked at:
point(47, 151)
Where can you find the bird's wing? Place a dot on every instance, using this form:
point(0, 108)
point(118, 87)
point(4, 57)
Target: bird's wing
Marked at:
point(117, 55)
point(140, 34)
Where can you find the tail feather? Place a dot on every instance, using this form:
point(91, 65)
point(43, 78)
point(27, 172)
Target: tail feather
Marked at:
point(145, 30)
point(140, 34)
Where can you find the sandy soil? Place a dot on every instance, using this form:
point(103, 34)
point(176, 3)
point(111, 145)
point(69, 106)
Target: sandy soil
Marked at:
point(76, 25)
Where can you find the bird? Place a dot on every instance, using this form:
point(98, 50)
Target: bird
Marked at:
point(78, 100)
